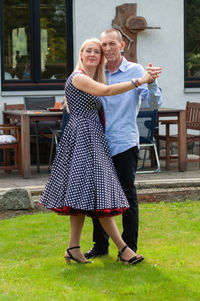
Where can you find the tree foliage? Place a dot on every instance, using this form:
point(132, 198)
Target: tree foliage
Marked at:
point(193, 37)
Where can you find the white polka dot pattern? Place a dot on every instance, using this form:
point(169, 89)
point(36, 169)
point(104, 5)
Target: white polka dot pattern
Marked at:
point(83, 178)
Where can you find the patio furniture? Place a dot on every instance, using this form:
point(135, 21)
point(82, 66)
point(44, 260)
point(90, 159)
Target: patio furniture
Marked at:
point(17, 106)
point(54, 141)
point(179, 114)
point(10, 141)
point(42, 130)
point(25, 118)
point(146, 121)
point(192, 122)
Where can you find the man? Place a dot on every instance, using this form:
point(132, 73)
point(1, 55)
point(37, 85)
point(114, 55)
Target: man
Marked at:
point(122, 133)
point(66, 115)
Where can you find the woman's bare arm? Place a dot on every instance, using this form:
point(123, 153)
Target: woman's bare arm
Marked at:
point(88, 85)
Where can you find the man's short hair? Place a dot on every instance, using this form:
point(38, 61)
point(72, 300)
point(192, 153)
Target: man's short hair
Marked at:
point(111, 30)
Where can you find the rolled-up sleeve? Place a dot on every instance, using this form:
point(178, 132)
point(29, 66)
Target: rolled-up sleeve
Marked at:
point(151, 95)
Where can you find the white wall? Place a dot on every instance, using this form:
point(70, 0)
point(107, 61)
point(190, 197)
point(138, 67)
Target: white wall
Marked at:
point(164, 47)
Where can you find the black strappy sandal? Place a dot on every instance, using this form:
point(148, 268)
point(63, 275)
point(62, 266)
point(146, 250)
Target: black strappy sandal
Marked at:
point(134, 260)
point(70, 257)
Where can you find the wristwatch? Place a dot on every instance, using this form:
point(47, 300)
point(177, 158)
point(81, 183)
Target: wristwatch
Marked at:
point(135, 82)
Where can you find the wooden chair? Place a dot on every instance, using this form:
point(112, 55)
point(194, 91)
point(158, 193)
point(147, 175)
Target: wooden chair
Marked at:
point(192, 123)
point(18, 106)
point(10, 139)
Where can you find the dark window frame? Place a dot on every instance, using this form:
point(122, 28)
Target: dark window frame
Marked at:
point(189, 82)
point(37, 83)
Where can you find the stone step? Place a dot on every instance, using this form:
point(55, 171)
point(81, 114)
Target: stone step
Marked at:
point(175, 194)
point(168, 183)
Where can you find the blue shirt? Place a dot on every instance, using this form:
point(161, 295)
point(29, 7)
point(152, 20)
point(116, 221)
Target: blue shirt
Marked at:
point(121, 110)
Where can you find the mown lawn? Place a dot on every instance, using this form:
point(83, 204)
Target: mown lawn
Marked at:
point(32, 266)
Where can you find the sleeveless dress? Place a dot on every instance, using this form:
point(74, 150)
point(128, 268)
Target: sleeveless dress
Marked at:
point(83, 178)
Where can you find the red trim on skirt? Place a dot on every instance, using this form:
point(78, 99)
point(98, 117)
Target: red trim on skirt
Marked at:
point(93, 213)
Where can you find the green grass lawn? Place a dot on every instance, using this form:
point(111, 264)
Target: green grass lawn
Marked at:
point(32, 266)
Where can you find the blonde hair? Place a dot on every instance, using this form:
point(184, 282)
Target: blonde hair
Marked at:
point(100, 71)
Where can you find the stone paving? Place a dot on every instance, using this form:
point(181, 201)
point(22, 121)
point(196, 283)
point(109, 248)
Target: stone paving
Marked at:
point(13, 180)
point(169, 185)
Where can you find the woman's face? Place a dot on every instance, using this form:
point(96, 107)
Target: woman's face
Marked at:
point(91, 55)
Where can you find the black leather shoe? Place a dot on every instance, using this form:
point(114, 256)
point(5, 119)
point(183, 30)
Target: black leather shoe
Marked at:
point(95, 252)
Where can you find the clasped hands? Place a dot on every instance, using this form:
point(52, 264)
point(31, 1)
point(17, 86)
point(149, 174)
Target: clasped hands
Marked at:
point(151, 74)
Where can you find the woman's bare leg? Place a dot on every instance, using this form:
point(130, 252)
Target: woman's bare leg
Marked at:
point(76, 226)
point(110, 226)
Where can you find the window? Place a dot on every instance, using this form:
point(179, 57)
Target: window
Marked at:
point(192, 43)
point(37, 44)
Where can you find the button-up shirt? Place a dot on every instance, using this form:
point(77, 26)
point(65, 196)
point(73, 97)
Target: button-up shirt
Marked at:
point(121, 110)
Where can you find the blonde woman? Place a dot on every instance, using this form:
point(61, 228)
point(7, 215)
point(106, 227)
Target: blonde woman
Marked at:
point(83, 180)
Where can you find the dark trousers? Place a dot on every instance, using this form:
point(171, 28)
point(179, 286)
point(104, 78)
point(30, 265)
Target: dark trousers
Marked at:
point(126, 166)
point(65, 119)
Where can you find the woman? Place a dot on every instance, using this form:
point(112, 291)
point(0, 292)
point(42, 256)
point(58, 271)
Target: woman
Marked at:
point(83, 180)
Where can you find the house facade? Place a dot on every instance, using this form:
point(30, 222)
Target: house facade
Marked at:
point(40, 41)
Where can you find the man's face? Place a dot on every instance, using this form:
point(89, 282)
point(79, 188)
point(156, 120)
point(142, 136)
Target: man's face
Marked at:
point(111, 46)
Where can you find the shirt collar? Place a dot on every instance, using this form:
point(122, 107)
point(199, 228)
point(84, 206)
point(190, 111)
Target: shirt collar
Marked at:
point(122, 67)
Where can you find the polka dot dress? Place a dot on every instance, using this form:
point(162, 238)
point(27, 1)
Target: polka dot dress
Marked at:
point(83, 178)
